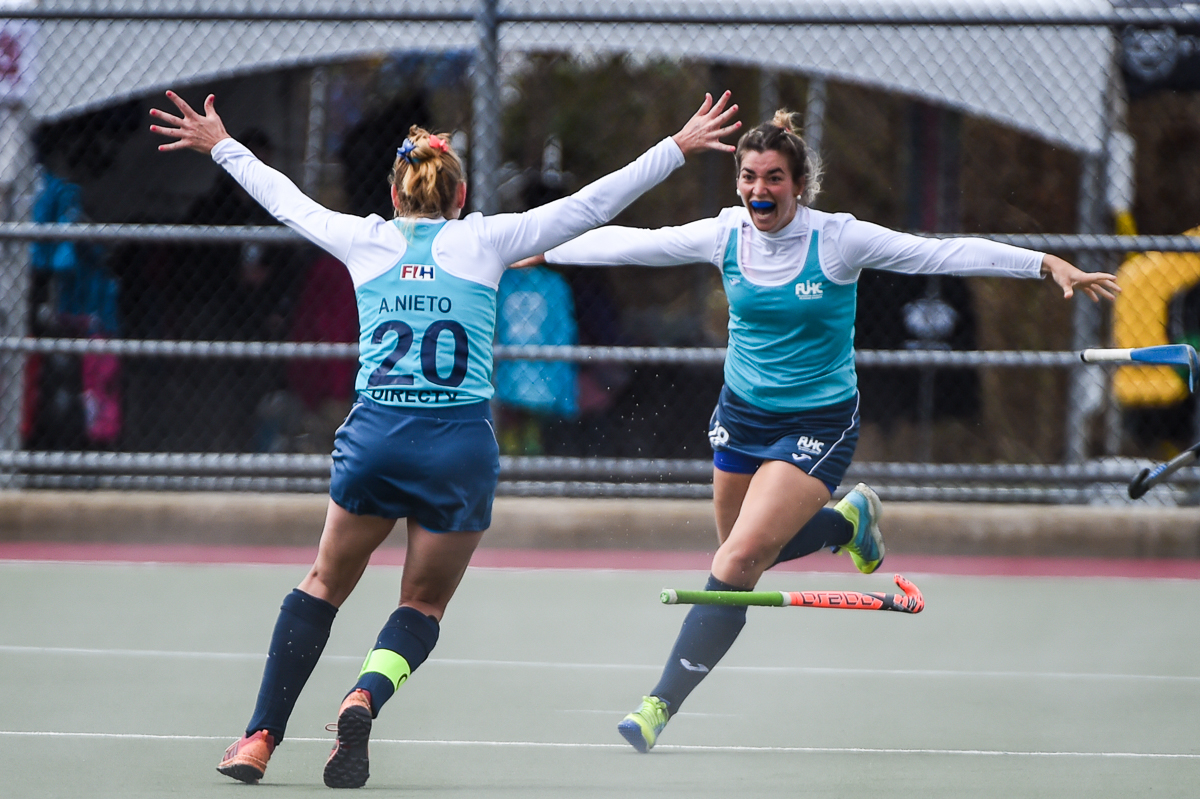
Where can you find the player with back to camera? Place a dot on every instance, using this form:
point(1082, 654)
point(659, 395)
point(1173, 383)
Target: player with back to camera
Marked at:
point(418, 444)
point(786, 422)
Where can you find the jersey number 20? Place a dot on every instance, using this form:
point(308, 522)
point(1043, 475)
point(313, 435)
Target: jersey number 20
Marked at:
point(383, 376)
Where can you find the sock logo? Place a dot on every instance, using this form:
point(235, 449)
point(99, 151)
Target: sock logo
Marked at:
point(690, 666)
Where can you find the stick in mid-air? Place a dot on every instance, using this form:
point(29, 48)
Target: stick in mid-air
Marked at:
point(1161, 355)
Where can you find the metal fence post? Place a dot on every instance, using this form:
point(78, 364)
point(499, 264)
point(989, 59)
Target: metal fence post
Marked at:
point(814, 112)
point(485, 107)
point(314, 139)
point(16, 180)
point(1083, 397)
point(768, 94)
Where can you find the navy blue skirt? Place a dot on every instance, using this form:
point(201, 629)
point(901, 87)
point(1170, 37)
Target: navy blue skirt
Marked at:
point(819, 442)
point(438, 466)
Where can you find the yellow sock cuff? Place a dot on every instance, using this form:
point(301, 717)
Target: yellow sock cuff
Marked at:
point(389, 664)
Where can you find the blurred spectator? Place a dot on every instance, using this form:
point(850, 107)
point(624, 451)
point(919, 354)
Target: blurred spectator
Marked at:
point(369, 146)
point(73, 402)
point(305, 416)
point(234, 292)
point(535, 306)
point(600, 384)
point(239, 292)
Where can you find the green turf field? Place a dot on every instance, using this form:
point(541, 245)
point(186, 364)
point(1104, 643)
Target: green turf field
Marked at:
point(130, 681)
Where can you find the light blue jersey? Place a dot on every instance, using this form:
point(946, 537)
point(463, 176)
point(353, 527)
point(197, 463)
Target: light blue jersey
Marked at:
point(791, 347)
point(426, 335)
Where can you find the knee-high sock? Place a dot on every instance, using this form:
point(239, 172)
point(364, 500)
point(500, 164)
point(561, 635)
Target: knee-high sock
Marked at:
point(296, 644)
point(705, 637)
point(829, 528)
point(403, 644)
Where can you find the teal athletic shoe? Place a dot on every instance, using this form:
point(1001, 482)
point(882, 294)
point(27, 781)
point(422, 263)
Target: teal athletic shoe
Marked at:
point(642, 727)
point(862, 508)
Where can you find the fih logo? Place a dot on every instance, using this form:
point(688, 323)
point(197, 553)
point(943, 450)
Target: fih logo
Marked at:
point(812, 445)
point(809, 290)
point(416, 271)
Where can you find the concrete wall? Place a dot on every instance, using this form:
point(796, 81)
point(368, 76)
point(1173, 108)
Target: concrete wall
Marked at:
point(296, 519)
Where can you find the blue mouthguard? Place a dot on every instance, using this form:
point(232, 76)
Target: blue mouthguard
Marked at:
point(759, 205)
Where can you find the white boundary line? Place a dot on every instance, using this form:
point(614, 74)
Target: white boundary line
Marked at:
point(669, 747)
point(520, 664)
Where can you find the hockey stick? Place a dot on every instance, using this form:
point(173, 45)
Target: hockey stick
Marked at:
point(1162, 355)
point(1148, 478)
point(910, 601)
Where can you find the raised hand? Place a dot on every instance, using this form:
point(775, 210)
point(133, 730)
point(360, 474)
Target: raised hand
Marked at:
point(705, 129)
point(1094, 284)
point(191, 131)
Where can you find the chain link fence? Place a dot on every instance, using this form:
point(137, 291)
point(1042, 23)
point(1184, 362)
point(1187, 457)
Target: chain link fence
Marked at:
point(159, 331)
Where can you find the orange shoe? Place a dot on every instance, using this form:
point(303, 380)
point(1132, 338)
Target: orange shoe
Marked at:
point(347, 766)
point(246, 758)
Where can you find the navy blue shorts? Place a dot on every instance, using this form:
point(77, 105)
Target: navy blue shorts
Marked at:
point(438, 466)
point(819, 442)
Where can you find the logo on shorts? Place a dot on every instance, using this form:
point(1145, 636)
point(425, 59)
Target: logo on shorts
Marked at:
point(810, 445)
point(718, 436)
point(416, 271)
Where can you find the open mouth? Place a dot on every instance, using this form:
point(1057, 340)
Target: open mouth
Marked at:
point(762, 206)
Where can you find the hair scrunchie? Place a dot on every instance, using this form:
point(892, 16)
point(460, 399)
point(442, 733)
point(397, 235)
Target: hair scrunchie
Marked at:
point(437, 143)
point(406, 150)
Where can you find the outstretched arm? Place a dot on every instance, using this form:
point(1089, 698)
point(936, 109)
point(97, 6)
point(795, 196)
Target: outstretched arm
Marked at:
point(206, 134)
point(519, 236)
point(696, 242)
point(1093, 284)
point(857, 245)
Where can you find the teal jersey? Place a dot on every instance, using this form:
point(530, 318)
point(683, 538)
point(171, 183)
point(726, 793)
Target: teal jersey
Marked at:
point(791, 347)
point(425, 335)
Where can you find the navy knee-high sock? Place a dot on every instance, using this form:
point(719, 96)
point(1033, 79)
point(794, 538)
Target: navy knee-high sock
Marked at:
point(403, 644)
point(296, 644)
point(827, 529)
point(705, 637)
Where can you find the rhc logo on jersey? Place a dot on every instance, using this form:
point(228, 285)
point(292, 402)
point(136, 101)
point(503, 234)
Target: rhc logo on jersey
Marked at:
point(809, 290)
point(810, 445)
point(416, 271)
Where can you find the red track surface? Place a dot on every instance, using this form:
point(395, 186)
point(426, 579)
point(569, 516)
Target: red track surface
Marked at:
point(604, 559)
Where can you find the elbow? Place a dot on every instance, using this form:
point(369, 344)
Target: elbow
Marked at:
point(590, 217)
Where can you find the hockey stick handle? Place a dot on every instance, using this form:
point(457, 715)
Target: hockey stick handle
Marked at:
point(1106, 355)
point(1164, 354)
point(1161, 355)
point(910, 601)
